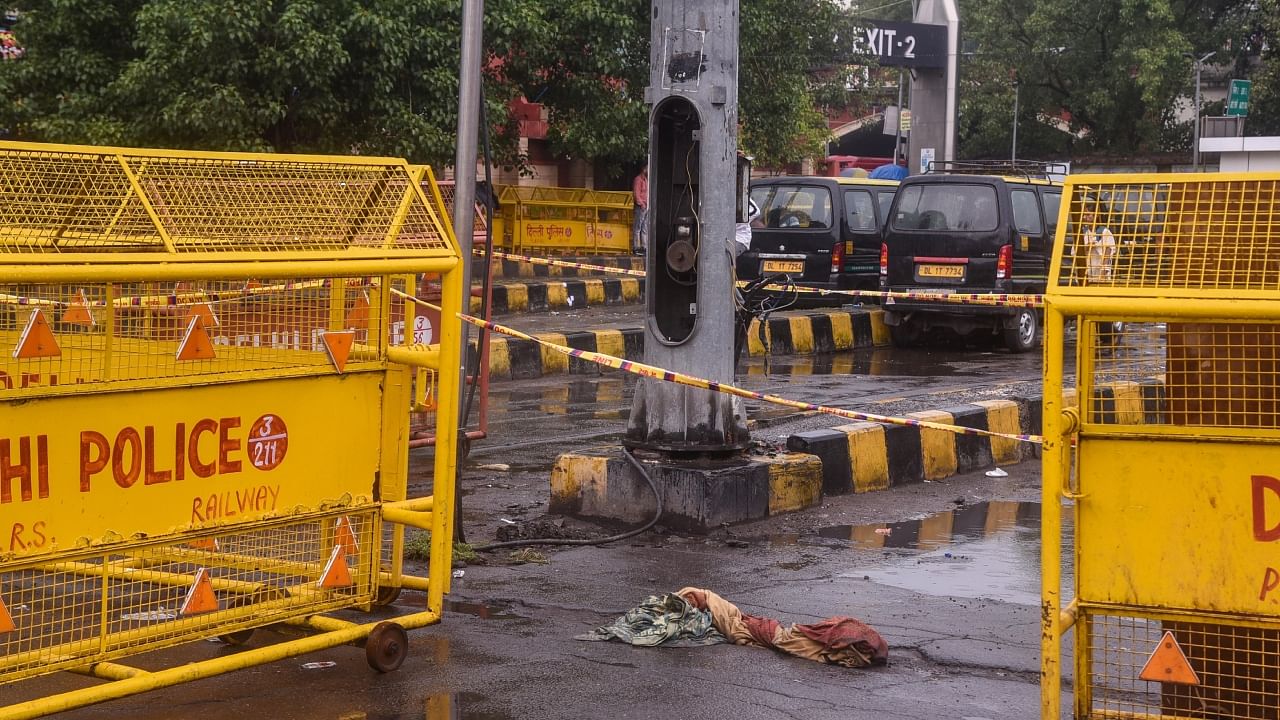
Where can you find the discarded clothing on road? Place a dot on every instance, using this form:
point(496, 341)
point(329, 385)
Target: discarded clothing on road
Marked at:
point(666, 619)
point(682, 618)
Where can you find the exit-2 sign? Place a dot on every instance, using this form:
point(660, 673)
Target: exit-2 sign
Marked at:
point(902, 44)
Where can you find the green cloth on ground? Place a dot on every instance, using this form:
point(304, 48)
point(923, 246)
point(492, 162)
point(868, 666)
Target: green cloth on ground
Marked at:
point(667, 620)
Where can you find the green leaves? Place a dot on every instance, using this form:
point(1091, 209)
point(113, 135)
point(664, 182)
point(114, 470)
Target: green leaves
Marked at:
point(1106, 73)
point(380, 76)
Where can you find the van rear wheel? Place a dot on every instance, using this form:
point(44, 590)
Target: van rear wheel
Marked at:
point(1025, 333)
point(905, 334)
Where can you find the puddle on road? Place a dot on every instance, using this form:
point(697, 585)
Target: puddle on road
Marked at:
point(481, 610)
point(460, 706)
point(881, 362)
point(988, 550)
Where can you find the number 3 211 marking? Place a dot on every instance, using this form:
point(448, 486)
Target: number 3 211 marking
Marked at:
point(268, 442)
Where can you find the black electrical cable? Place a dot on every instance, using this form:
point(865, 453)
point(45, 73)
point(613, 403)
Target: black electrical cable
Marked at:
point(657, 497)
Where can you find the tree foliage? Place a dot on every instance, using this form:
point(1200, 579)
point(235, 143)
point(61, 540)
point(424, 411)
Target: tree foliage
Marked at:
point(1264, 106)
point(1094, 76)
point(380, 76)
point(794, 65)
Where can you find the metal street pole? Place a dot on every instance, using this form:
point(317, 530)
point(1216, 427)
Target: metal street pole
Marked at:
point(464, 198)
point(1017, 90)
point(897, 134)
point(1195, 130)
point(464, 168)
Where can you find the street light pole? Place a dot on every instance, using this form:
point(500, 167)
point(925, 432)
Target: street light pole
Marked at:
point(1195, 130)
point(897, 134)
point(1013, 155)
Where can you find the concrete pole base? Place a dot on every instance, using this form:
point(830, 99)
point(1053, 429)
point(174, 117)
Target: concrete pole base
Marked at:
point(698, 495)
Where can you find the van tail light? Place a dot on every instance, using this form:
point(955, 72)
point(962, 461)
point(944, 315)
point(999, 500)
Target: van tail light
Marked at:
point(884, 260)
point(837, 257)
point(1004, 265)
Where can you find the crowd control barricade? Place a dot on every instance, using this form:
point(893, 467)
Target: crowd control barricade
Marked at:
point(565, 221)
point(203, 417)
point(1167, 463)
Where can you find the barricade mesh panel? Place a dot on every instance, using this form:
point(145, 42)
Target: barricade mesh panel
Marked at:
point(1216, 374)
point(1238, 669)
point(1178, 234)
point(106, 333)
point(104, 605)
point(65, 201)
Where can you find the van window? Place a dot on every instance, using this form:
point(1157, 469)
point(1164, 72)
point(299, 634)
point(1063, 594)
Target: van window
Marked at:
point(859, 211)
point(947, 206)
point(1052, 203)
point(793, 206)
point(885, 198)
point(1026, 212)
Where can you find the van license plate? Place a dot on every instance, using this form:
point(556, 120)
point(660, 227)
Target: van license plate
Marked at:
point(783, 266)
point(940, 271)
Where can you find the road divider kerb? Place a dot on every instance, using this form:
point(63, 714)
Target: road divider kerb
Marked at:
point(596, 267)
point(866, 456)
point(831, 331)
point(563, 294)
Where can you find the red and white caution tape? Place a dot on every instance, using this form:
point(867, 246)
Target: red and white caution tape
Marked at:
point(657, 373)
point(887, 297)
point(890, 297)
point(564, 263)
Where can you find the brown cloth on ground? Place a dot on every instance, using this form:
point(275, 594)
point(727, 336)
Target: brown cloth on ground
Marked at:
point(836, 641)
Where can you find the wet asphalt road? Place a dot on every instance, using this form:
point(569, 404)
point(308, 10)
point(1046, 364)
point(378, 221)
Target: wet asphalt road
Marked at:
point(946, 571)
point(951, 587)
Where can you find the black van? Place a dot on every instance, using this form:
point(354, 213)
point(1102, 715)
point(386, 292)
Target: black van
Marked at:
point(970, 228)
point(824, 232)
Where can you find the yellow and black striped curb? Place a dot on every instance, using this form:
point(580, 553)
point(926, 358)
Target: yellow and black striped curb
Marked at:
point(564, 294)
point(605, 486)
point(824, 332)
point(517, 270)
point(865, 456)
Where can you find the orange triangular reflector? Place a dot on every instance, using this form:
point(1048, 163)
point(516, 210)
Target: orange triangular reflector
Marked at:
point(210, 544)
point(345, 537)
point(77, 312)
point(252, 285)
point(200, 598)
point(204, 311)
point(338, 346)
point(336, 573)
point(359, 315)
point(6, 620)
point(37, 339)
point(1168, 664)
point(196, 344)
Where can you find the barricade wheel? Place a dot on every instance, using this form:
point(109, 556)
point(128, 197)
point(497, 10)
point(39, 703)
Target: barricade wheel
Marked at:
point(387, 594)
point(387, 647)
point(238, 638)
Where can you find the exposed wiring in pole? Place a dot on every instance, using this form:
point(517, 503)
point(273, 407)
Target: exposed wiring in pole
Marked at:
point(755, 301)
point(657, 498)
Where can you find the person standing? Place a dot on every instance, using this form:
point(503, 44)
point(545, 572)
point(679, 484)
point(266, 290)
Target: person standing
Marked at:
point(1101, 246)
point(640, 224)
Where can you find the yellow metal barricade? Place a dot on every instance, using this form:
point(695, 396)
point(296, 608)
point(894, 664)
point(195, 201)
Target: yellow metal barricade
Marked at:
point(564, 220)
point(203, 415)
point(1169, 464)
